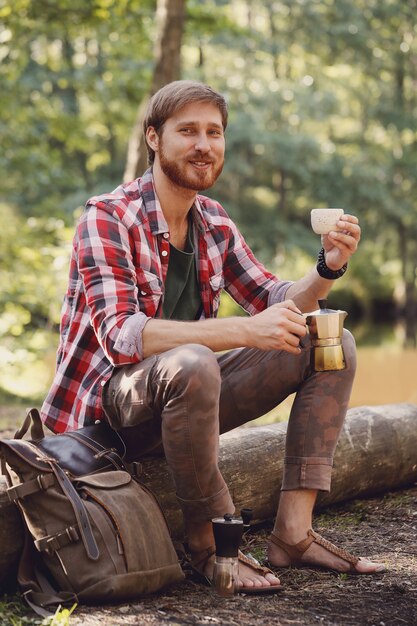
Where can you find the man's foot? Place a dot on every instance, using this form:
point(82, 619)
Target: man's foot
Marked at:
point(252, 576)
point(315, 551)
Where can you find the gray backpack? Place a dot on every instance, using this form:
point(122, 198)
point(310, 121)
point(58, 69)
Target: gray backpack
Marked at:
point(95, 533)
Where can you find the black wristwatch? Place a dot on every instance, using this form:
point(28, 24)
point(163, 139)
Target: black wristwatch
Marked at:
point(326, 272)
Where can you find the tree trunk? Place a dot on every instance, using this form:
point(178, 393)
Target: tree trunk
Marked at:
point(410, 315)
point(408, 256)
point(170, 16)
point(376, 453)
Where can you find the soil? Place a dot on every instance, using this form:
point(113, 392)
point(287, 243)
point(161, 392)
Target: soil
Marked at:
point(382, 528)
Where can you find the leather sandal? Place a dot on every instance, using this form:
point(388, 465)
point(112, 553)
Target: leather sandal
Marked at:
point(199, 561)
point(296, 551)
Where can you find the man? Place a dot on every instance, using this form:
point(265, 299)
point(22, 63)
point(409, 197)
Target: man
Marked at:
point(140, 341)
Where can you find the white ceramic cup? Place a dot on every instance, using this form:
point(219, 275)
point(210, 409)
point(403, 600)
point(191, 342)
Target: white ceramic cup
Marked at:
point(325, 220)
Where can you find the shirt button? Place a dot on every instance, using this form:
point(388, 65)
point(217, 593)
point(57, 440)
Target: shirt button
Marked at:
point(165, 235)
point(164, 253)
point(103, 382)
point(143, 293)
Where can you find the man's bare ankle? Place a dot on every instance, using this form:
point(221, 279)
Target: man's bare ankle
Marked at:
point(200, 535)
point(290, 533)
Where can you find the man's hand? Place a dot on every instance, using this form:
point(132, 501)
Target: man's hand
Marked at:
point(340, 245)
point(279, 327)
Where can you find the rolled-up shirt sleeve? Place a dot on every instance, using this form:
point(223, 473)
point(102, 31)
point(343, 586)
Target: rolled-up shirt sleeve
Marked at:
point(129, 340)
point(278, 291)
point(247, 280)
point(110, 286)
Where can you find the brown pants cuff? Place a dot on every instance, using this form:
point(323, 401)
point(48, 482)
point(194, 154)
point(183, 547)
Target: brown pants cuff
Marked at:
point(307, 473)
point(205, 509)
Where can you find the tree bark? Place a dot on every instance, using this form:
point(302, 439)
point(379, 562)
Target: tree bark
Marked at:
point(376, 453)
point(170, 16)
point(408, 256)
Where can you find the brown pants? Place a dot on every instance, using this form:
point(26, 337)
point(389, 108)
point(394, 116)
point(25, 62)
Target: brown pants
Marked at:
point(187, 396)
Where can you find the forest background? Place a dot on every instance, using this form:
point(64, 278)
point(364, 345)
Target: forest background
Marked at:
point(323, 110)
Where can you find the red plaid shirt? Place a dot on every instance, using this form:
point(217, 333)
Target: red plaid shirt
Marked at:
point(117, 273)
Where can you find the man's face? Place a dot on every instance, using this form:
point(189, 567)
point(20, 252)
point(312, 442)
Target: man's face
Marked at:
point(191, 146)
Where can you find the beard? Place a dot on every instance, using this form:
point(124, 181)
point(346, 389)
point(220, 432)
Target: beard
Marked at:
point(194, 180)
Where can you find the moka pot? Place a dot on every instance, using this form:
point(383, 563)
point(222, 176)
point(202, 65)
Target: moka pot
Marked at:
point(326, 330)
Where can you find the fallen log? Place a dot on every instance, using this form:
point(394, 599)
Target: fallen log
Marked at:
point(376, 453)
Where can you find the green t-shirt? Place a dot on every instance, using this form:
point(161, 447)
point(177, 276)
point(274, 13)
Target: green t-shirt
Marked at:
point(182, 299)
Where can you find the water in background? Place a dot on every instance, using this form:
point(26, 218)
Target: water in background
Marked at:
point(386, 372)
point(385, 375)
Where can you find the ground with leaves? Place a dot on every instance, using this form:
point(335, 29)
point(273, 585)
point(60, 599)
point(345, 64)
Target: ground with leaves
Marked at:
point(383, 528)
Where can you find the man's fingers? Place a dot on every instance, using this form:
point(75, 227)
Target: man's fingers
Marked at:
point(291, 349)
point(297, 328)
point(291, 306)
point(346, 217)
point(350, 227)
point(293, 340)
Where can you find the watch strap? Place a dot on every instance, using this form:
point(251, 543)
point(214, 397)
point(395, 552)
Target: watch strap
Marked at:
point(326, 272)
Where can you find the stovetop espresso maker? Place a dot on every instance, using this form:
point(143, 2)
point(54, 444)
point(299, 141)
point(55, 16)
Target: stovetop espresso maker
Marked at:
point(326, 329)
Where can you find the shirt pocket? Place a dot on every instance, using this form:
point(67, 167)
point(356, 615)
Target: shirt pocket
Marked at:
point(149, 291)
point(148, 283)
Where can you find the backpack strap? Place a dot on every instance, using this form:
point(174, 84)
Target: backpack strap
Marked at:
point(79, 510)
point(34, 422)
point(40, 483)
point(52, 543)
point(37, 590)
point(111, 454)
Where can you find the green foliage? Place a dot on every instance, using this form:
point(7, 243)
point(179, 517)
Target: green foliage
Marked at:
point(34, 254)
point(73, 69)
point(61, 617)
